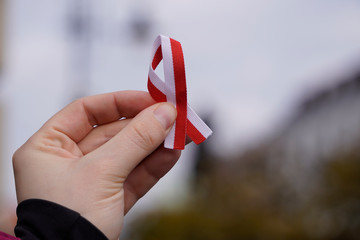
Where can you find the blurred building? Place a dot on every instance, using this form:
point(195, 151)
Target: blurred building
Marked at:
point(301, 183)
point(327, 124)
point(310, 170)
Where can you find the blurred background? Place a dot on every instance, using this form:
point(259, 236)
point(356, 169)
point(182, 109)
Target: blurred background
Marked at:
point(277, 80)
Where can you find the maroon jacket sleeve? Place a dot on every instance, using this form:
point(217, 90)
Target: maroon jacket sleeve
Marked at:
point(40, 219)
point(4, 236)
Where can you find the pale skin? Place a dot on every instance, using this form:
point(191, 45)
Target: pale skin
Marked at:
point(88, 160)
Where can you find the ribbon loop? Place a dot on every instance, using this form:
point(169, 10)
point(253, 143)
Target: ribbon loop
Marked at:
point(174, 90)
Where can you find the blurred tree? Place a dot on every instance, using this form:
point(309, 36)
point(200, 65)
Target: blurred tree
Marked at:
point(242, 203)
point(335, 212)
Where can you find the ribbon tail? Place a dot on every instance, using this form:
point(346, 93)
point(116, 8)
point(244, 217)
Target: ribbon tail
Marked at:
point(197, 129)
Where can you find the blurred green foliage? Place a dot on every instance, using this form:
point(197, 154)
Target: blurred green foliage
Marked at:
point(242, 199)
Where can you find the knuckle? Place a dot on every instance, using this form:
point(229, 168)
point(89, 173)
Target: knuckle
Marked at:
point(166, 159)
point(15, 158)
point(141, 137)
point(134, 190)
point(18, 158)
point(78, 100)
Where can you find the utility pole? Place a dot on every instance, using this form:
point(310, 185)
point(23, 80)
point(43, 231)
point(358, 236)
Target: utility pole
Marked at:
point(79, 31)
point(2, 11)
point(2, 18)
point(7, 212)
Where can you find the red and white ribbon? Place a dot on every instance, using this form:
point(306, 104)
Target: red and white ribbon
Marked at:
point(174, 90)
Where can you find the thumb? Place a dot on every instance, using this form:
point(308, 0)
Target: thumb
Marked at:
point(138, 139)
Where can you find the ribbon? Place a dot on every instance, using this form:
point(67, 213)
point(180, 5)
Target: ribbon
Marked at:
point(174, 90)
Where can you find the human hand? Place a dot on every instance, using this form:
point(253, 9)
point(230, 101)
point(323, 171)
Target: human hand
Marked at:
point(88, 160)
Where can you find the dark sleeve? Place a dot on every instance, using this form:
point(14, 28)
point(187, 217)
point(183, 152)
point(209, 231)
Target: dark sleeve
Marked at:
point(40, 219)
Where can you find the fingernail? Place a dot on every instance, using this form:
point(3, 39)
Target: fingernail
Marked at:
point(165, 113)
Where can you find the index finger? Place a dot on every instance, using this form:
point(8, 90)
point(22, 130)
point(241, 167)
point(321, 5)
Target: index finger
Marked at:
point(79, 117)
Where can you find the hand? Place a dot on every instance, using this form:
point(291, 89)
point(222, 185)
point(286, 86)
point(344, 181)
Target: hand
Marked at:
point(88, 160)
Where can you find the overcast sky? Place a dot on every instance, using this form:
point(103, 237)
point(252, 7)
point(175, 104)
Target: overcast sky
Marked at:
point(248, 62)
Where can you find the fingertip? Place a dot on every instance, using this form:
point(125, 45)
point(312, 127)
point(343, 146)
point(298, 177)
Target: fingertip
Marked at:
point(166, 114)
